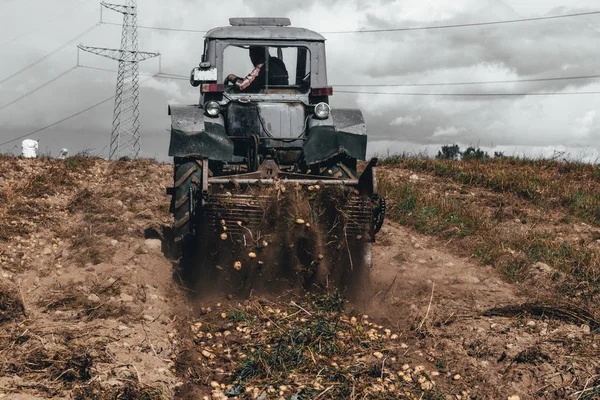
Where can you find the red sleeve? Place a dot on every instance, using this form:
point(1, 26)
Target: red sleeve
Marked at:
point(250, 78)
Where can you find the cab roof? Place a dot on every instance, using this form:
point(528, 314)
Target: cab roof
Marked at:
point(264, 33)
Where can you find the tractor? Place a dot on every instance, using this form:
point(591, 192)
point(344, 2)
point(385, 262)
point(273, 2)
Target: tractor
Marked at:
point(266, 172)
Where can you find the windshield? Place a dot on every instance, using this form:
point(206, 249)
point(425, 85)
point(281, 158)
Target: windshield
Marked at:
point(267, 69)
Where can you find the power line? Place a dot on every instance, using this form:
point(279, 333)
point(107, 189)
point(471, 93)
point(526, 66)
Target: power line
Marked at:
point(160, 75)
point(165, 75)
point(471, 94)
point(416, 28)
point(63, 120)
point(36, 89)
point(449, 26)
point(59, 122)
point(157, 28)
point(566, 78)
point(33, 64)
point(43, 23)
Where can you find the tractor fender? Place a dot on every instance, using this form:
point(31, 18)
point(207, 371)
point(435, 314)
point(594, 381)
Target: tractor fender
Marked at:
point(343, 132)
point(194, 135)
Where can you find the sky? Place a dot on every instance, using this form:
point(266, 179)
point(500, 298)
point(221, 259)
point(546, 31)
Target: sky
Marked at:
point(534, 125)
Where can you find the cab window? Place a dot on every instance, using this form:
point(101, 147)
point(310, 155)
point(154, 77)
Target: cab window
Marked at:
point(286, 69)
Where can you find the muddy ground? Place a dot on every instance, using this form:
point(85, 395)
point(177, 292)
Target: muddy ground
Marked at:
point(90, 309)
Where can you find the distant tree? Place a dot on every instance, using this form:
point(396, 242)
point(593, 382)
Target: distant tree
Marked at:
point(473, 153)
point(499, 154)
point(449, 152)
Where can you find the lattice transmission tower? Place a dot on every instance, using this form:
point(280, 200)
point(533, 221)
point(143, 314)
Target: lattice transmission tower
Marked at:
point(125, 137)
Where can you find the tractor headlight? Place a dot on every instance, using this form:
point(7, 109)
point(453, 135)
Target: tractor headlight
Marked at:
point(212, 108)
point(322, 110)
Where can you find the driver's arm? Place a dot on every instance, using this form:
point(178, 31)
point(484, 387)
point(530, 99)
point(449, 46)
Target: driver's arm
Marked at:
point(244, 83)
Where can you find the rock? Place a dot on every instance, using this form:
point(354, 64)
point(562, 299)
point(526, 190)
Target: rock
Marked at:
point(94, 298)
point(543, 268)
point(126, 298)
point(514, 397)
point(122, 328)
point(457, 377)
point(469, 280)
point(414, 177)
point(114, 242)
point(531, 324)
point(47, 251)
point(586, 329)
point(153, 244)
point(149, 318)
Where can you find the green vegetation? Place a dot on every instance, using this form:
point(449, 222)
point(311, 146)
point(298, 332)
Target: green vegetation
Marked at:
point(464, 203)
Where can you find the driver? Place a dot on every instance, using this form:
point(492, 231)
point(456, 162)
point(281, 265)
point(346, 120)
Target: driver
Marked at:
point(256, 80)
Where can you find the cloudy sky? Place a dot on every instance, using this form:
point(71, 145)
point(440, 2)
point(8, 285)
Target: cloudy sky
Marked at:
point(532, 125)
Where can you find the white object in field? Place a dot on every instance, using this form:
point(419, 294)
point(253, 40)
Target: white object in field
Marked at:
point(29, 148)
point(64, 153)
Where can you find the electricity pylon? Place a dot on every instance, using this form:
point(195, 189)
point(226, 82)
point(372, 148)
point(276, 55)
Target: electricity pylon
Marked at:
point(125, 137)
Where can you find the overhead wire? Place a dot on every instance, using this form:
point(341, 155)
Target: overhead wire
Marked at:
point(466, 25)
point(58, 122)
point(24, 96)
point(158, 28)
point(161, 75)
point(33, 64)
point(415, 28)
point(62, 120)
point(38, 28)
point(524, 80)
point(471, 94)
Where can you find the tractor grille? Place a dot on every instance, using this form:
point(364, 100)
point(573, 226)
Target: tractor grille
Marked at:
point(247, 209)
point(255, 214)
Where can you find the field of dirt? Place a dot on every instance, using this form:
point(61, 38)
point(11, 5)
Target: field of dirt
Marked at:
point(90, 308)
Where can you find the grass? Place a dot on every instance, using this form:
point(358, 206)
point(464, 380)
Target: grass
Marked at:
point(442, 209)
point(311, 346)
point(574, 187)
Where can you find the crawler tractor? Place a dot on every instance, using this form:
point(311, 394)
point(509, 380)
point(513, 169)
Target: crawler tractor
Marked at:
point(266, 183)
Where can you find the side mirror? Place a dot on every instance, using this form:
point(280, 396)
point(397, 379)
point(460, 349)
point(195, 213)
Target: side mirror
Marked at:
point(203, 74)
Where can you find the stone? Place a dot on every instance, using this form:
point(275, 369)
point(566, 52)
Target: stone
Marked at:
point(94, 298)
point(126, 298)
point(469, 280)
point(531, 324)
point(114, 242)
point(153, 244)
point(544, 268)
point(586, 329)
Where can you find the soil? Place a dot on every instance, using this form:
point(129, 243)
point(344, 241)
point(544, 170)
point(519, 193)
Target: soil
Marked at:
point(90, 308)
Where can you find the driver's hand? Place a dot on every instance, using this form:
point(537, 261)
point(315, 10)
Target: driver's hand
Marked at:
point(232, 78)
